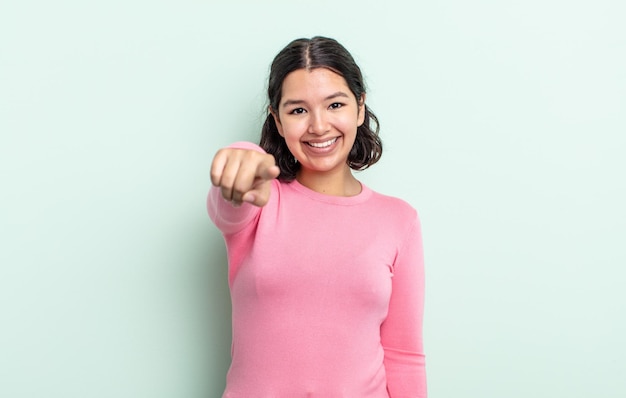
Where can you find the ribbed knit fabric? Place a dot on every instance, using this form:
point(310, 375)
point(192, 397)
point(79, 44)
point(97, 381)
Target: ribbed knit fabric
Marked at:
point(327, 295)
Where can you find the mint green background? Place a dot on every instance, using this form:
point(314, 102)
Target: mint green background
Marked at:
point(503, 123)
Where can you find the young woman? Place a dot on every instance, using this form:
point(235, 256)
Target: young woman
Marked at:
point(326, 276)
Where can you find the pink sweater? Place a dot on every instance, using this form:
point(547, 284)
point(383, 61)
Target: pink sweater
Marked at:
point(327, 295)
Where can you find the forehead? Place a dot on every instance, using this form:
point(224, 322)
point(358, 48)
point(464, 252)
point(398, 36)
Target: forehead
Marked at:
point(312, 82)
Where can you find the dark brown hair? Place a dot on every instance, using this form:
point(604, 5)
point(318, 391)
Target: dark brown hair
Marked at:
point(318, 52)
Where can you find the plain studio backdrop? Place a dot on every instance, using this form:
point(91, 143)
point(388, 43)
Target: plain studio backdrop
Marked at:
point(503, 124)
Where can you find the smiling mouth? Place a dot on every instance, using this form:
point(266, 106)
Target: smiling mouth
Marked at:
point(324, 144)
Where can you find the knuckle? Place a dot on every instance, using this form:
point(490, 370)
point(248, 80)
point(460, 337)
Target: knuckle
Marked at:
point(241, 186)
point(215, 176)
point(226, 187)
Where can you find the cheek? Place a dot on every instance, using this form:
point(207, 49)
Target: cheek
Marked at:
point(293, 130)
point(349, 127)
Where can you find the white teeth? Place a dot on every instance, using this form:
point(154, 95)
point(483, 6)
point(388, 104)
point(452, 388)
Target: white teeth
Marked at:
point(323, 144)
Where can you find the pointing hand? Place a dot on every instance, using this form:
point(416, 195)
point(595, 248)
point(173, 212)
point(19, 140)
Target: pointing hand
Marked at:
point(244, 175)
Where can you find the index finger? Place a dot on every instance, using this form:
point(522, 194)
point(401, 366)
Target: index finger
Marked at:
point(267, 171)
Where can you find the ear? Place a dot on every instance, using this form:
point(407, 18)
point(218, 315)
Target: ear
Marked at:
point(361, 115)
point(279, 126)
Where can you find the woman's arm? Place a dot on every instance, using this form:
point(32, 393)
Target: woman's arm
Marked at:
point(401, 333)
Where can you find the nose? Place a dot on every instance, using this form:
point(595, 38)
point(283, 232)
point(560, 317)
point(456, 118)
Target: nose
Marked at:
point(318, 124)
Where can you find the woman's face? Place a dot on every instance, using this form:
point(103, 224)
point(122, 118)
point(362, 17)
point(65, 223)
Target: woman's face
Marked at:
point(318, 117)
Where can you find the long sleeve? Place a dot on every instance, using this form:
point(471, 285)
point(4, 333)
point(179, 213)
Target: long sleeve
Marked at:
point(228, 218)
point(401, 333)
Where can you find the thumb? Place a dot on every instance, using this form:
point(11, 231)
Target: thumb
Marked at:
point(259, 196)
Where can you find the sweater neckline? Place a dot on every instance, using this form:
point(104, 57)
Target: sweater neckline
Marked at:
point(361, 197)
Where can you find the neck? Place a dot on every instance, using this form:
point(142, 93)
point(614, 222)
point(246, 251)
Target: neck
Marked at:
point(335, 183)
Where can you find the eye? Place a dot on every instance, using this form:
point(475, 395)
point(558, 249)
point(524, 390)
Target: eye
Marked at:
point(297, 111)
point(336, 105)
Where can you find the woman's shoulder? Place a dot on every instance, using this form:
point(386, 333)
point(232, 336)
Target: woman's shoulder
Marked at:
point(393, 206)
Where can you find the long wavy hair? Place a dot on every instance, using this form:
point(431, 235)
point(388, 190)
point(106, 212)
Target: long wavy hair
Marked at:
point(318, 52)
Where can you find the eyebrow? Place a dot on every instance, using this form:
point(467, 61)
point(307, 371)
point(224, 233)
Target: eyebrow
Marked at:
point(332, 96)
